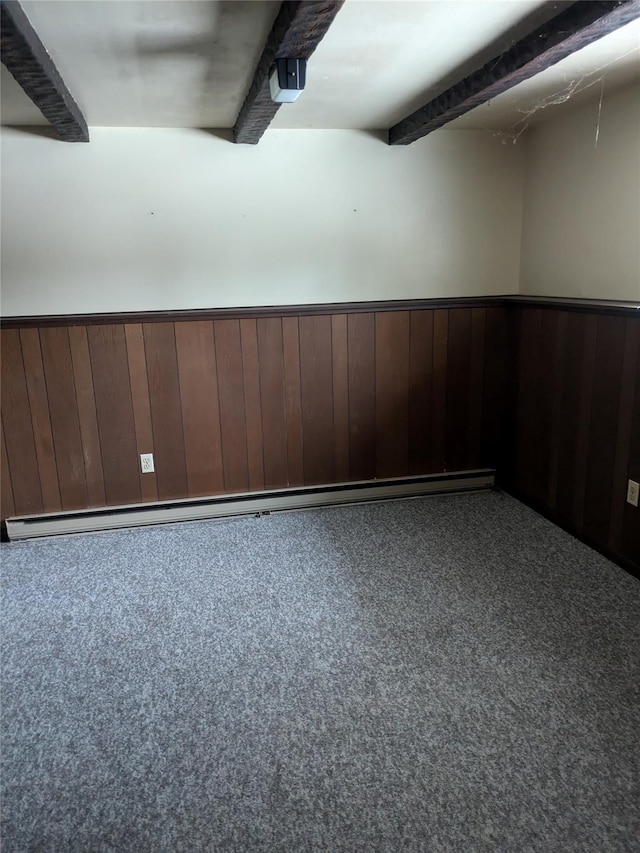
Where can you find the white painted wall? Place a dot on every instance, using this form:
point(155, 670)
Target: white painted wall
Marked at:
point(153, 219)
point(581, 222)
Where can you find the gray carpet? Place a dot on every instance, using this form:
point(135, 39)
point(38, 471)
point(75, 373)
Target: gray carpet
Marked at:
point(444, 674)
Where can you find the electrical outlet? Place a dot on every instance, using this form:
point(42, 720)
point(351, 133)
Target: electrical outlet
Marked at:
point(146, 463)
point(633, 489)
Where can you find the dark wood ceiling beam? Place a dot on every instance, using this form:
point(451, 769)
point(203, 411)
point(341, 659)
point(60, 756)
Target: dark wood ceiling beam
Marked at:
point(26, 58)
point(297, 31)
point(576, 27)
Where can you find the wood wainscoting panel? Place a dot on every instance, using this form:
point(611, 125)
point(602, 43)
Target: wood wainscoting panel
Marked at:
point(576, 425)
point(457, 383)
point(273, 415)
point(603, 428)
point(361, 337)
point(41, 418)
point(65, 423)
point(316, 386)
point(546, 392)
point(542, 421)
point(630, 548)
point(437, 450)
point(476, 388)
point(420, 372)
point(198, 381)
point(139, 380)
point(18, 429)
point(498, 389)
point(624, 517)
point(340, 353)
point(114, 409)
point(392, 350)
point(574, 397)
point(233, 424)
point(252, 403)
point(248, 403)
point(87, 417)
point(293, 400)
point(585, 408)
point(166, 409)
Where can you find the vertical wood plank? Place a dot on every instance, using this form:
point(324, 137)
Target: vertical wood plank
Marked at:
point(543, 404)
point(112, 391)
point(476, 388)
point(18, 430)
point(603, 426)
point(457, 397)
point(392, 393)
point(420, 369)
point(232, 409)
point(630, 374)
point(166, 409)
point(499, 383)
point(137, 361)
point(65, 424)
point(339, 348)
point(40, 419)
point(569, 424)
point(293, 400)
point(316, 385)
point(439, 389)
point(272, 391)
point(556, 409)
point(362, 396)
point(581, 438)
point(526, 405)
point(252, 403)
point(195, 353)
point(87, 418)
point(7, 506)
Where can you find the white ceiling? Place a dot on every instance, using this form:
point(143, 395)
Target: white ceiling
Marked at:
point(188, 63)
point(156, 63)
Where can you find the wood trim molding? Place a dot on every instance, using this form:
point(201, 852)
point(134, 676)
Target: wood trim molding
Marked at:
point(592, 306)
point(27, 59)
point(574, 28)
point(297, 30)
point(589, 305)
point(248, 312)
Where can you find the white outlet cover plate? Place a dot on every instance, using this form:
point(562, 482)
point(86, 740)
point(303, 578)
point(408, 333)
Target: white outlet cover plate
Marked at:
point(146, 463)
point(633, 489)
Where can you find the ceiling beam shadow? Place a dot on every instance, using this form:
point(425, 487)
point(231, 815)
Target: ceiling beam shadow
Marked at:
point(576, 27)
point(26, 58)
point(297, 30)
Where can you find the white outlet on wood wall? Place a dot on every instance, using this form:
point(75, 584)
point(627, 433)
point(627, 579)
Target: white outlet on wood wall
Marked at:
point(633, 489)
point(146, 463)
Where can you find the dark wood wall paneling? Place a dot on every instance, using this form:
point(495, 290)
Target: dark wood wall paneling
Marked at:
point(549, 395)
point(577, 422)
point(231, 405)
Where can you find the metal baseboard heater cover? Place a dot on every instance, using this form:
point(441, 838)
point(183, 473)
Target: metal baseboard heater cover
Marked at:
point(246, 503)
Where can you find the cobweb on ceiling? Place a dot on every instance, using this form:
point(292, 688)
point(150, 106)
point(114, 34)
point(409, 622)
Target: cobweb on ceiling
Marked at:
point(568, 90)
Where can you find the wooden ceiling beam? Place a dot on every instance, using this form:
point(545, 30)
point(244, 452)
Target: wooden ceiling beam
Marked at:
point(298, 29)
point(26, 58)
point(579, 25)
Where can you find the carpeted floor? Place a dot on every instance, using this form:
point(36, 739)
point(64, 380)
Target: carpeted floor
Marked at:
point(443, 674)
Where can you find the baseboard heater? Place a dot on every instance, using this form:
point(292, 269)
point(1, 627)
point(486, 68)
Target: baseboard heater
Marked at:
point(246, 503)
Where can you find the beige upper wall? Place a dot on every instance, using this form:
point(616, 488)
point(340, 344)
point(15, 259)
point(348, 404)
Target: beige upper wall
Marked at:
point(154, 219)
point(581, 222)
